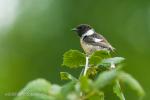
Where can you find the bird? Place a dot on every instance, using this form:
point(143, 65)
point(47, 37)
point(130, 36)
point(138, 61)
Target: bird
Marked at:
point(90, 40)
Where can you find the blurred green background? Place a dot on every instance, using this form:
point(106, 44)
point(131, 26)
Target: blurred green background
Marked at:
point(34, 34)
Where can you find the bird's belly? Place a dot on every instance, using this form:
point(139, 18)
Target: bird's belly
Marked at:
point(89, 49)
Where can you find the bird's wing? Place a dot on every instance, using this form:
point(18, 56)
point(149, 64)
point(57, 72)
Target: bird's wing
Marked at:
point(98, 40)
point(106, 42)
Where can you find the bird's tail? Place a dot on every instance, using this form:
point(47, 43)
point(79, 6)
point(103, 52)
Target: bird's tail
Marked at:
point(114, 51)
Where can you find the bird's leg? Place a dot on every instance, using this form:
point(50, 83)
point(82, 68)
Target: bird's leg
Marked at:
point(86, 66)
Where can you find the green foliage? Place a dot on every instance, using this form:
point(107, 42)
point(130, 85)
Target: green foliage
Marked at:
point(84, 84)
point(114, 60)
point(130, 81)
point(84, 88)
point(66, 76)
point(98, 56)
point(35, 90)
point(73, 59)
point(107, 62)
point(117, 90)
point(105, 78)
point(65, 90)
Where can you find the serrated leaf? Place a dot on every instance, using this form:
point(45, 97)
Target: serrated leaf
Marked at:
point(67, 76)
point(134, 84)
point(105, 78)
point(73, 59)
point(102, 53)
point(37, 89)
point(97, 56)
point(94, 60)
point(117, 90)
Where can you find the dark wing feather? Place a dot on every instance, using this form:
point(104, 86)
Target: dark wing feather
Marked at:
point(104, 43)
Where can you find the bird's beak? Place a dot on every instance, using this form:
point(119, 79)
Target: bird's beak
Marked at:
point(74, 29)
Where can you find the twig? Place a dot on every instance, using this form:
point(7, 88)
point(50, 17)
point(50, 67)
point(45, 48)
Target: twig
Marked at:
point(86, 66)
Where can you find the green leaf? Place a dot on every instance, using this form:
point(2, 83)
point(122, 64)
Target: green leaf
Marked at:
point(102, 53)
point(134, 84)
point(67, 76)
point(73, 96)
point(68, 88)
point(73, 59)
point(84, 84)
point(97, 56)
point(35, 90)
point(94, 95)
point(117, 90)
point(105, 78)
point(109, 61)
point(55, 89)
point(114, 60)
point(92, 71)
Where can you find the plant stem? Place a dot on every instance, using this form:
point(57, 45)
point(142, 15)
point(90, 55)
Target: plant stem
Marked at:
point(84, 71)
point(86, 66)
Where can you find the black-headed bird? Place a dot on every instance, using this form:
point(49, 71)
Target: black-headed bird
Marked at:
point(91, 41)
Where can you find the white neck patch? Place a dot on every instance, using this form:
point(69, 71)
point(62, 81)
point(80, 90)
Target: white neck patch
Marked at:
point(88, 33)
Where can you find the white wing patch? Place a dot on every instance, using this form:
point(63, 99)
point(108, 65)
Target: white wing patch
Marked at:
point(97, 40)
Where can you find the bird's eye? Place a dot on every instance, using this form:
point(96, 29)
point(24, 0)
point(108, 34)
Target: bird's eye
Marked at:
point(81, 27)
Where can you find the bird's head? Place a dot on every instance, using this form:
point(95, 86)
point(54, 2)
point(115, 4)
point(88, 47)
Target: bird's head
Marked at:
point(82, 29)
